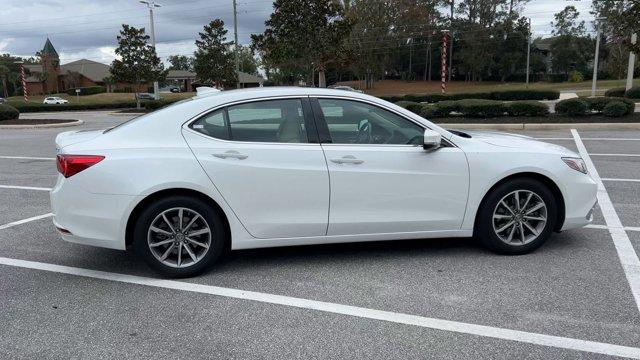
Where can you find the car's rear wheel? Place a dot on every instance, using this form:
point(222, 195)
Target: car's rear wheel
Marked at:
point(517, 217)
point(179, 236)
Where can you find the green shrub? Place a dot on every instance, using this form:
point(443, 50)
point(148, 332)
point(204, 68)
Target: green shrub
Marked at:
point(92, 90)
point(415, 98)
point(598, 104)
point(514, 95)
point(391, 98)
point(444, 108)
point(38, 107)
point(437, 97)
point(572, 107)
point(633, 93)
point(575, 76)
point(477, 95)
point(482, 108)
point(410, 105)
point(527, 108)
point(616, 109)
point(429, 111)
point(8, 112)
point(615, 92)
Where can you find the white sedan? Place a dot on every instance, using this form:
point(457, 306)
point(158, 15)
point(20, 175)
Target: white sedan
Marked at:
point(54, 100)
point(295, 166)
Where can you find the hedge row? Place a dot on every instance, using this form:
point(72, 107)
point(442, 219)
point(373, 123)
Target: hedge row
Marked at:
point(476, 108)
point(633, 93)
point(8, 112)
point(609, 106)
point(157, 104)
point(507, 95)
point(36, 107)
point(91, 90)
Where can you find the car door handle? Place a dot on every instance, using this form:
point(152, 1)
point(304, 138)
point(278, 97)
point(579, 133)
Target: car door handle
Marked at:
point(232, 154)
point(348, 159)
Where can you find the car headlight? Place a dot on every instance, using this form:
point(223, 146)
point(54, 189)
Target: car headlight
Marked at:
point(576, 164)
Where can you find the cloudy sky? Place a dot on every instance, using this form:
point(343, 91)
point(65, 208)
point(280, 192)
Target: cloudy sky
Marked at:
point(87, 28)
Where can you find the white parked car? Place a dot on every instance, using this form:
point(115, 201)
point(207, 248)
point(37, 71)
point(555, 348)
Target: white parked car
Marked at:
point(294, 166)
point(344, 88)
point(54, 100)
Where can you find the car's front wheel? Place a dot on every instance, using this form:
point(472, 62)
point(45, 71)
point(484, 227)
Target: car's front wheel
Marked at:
point(179, 236)
point(517, 217)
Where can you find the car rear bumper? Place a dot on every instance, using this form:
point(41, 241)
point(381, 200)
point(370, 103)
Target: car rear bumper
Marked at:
point(91, 219)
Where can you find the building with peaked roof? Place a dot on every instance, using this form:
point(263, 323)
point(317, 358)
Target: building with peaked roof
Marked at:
point(50, 77)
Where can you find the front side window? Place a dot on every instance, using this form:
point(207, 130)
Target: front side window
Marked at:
point(353, 122)
point(262, 121)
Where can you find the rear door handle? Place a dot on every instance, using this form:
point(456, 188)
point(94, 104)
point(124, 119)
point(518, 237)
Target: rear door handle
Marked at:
point(348, 159)
point(231, 154)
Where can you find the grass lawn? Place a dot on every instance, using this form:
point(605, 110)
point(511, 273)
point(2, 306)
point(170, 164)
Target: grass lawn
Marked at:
point(105, 98)
point(399, 87)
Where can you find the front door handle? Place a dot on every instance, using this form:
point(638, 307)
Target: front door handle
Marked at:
point(231, 154)
point(348, 159)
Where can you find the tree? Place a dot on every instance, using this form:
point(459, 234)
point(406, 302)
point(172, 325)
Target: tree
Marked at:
point(248, 62)
point(622, 19)
point(181, 62)
point(566, 22)
point(570, 49)
point(4, 73)
point(72, 79)
point(137, 61)
point(303, 36)
point(214, 60)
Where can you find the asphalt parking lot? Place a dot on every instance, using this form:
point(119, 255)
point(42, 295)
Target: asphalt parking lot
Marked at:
point(443, 299)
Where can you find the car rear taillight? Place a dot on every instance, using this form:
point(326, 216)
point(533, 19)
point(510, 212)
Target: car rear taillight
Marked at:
point(69, 165)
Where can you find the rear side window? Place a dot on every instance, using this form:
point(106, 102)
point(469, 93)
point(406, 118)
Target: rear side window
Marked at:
point(261, 121)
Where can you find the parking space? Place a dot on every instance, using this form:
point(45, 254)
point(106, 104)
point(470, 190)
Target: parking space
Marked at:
point(442, 298)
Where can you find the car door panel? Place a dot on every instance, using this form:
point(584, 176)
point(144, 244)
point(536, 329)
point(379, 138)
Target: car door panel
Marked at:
point(277, 190)
point(396, 189)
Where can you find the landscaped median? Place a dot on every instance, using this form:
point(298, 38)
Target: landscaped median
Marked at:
point(10, 119)
point(487, 111)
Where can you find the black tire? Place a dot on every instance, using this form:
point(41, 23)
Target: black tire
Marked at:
point(484, 229)
point(213, 219)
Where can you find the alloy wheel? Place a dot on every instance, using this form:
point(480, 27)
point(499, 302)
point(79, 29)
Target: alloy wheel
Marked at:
point(179, 237)
point(519, 217)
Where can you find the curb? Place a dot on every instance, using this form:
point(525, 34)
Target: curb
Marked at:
point(43, 126)
point(544, 126)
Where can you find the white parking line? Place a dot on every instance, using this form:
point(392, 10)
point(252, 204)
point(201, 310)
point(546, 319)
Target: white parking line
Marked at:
point(587, 139)
point(622, 155)
point(626, 253)
point(24, 187)
point(25, 157)
point(11, 224)
point(399, 318)
point(615, 179)
point(605, 227)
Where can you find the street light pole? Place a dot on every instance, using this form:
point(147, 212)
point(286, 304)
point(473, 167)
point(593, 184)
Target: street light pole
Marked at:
point(528, 52)
point(152, 4)
point(235, 34)
point(595, 60)
point(632, 62)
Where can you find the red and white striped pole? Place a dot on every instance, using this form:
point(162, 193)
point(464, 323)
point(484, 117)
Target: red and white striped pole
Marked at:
point(443, 64)
point(25, 93)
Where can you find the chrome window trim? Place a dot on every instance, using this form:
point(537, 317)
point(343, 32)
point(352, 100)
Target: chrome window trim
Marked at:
point(186, 126)
point(369, 102)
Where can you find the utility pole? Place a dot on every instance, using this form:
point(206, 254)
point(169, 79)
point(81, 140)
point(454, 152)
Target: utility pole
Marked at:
point(235, 35)
point(595, 60)
point(632, 62)
point(528, 52)
point(151, 4)
point(410, 57)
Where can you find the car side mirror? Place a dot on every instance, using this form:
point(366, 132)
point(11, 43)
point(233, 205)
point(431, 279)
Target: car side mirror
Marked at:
point(432, 140)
